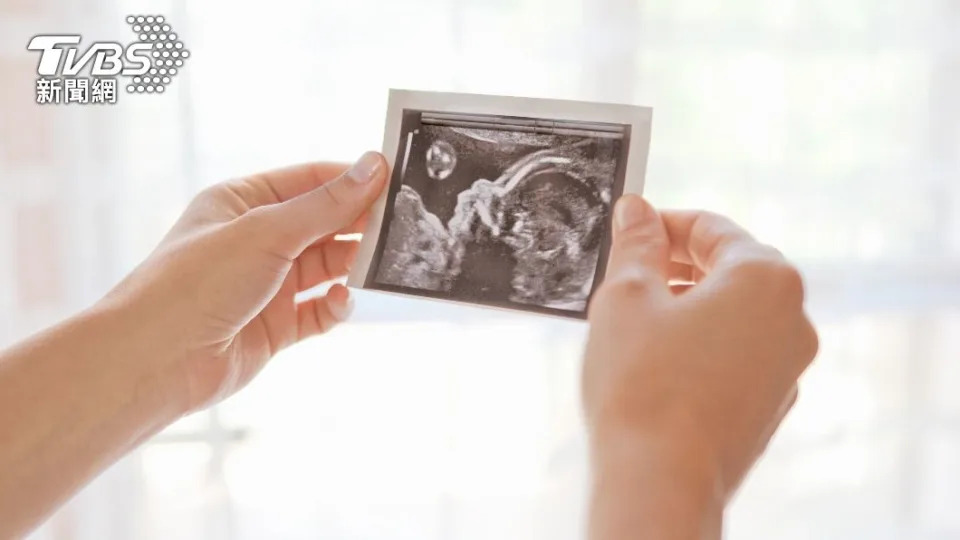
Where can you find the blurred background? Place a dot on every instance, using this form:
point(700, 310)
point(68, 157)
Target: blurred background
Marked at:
point(829, 128)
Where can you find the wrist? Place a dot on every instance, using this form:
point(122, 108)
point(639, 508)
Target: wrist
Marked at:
point(74, 399)
point(665, 470)
point(148, 359)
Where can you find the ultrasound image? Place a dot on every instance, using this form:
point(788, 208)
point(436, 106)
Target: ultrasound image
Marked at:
point(499, 216)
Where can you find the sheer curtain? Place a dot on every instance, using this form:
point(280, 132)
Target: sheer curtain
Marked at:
point(831, 129)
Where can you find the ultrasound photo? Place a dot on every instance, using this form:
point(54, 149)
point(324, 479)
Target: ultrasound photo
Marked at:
point(500, 210)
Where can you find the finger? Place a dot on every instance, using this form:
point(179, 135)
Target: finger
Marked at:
point(641, 250)
point(807, 345)
point(319, 315)
point(705, 239)
point(680, 288)
point(789, 401)
point(291, 226)
point(358, 226)
point(281, 185)
point(682, 272)
point(321, 263)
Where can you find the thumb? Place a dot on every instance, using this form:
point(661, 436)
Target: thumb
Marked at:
point(640, 253)
point(297, 223)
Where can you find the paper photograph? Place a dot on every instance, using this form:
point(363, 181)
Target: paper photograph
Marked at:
point(502, 202)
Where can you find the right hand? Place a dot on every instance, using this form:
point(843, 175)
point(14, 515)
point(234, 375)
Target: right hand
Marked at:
point(707, 370)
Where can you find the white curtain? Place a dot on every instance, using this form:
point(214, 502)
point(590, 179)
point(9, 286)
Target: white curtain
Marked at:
point(831, 129)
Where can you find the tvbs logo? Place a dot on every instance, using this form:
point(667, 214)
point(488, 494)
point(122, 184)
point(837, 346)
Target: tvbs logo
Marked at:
point(148, 65)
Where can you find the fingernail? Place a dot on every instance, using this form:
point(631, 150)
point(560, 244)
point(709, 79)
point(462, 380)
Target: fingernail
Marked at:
point(366, 168)
point(342, 310)
point(630, 212)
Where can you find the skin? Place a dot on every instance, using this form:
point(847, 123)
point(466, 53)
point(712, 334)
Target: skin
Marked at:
point(190, 326)
point(680, 396)
point(684, 386)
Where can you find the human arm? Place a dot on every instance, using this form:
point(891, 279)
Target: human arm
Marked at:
point(683, 387)
point(190, 326)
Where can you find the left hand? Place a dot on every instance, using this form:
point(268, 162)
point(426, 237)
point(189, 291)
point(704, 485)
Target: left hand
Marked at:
point(216, 298)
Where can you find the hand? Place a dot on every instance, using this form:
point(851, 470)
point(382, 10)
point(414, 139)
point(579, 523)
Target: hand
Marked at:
point(219, 290)
point(195, 322)
point(695, 378)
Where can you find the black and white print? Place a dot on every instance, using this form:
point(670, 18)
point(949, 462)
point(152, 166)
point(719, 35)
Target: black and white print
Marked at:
point(500, 210)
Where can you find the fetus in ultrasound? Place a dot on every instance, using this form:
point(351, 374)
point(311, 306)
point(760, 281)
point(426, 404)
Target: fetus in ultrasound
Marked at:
point(501, 217)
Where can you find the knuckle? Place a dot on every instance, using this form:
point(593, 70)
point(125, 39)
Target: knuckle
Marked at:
point(788, 281)
point(255, 219)
point(811, 340)
point(328, 197)
point(804, 345)
point(211, 194)
point(621, 290)
point(646, 235)
point(229, 195)
point(770, 271)
point(336, 194)
point(754, 270)
point(334, 204)
point(710, 217)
